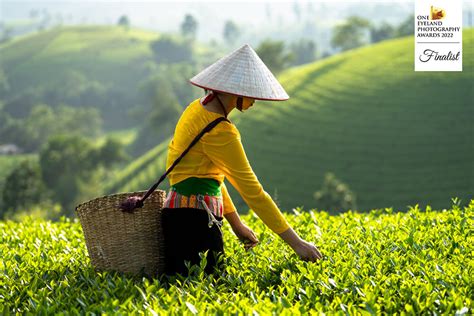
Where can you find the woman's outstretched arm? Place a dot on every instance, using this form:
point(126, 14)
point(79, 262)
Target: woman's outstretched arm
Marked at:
point(242, 231)
point(229, 206)
point(224, 148)
point(305, 250)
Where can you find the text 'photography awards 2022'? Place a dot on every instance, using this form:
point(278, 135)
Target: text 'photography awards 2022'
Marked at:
point(438, 35)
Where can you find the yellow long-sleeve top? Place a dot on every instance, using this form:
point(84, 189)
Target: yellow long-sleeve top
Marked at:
point(218, 155)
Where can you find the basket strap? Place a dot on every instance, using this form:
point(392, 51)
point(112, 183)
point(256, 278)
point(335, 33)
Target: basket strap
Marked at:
point(206, 129)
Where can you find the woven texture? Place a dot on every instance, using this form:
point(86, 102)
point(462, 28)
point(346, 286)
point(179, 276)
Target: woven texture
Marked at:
point(124, 242)
point(241, 73)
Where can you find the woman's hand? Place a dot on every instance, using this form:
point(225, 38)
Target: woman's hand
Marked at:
point(242, 231)
point(246, 235)
point(305, 250)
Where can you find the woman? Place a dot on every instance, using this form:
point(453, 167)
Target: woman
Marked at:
point(198, 199)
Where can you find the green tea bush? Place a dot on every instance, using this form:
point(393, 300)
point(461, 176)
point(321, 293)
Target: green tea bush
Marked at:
point(335, 195)
point(382, 262)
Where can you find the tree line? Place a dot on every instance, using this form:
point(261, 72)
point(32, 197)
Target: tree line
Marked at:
point(69, 170)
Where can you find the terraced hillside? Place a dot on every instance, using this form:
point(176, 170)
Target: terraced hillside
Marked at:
point(396, 137)
point(95, 65)
point(98, 52)
point(142, 173)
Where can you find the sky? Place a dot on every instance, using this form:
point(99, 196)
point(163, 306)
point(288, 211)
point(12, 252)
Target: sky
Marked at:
point(204, 1)
point(258, 17)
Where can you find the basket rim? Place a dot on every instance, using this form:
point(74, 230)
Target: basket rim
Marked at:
point(115, 194)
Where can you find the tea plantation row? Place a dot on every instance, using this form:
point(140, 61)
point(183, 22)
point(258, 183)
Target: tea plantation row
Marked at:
point(419, 261)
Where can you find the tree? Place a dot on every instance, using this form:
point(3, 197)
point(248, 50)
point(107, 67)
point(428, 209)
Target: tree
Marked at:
point(34, 13)
point(335, 195)
point(23, 187)
point(20, 105)
point(112, 151)
point(4, 85)
point(231, 32)
point(297, 11)
point(407, 27)
point(268, 11)
point(167, 108)
point(350, 34)
point(304, 51)
point(189, 26)
point(124, 21)
point(14, 131)
point(164, 93)
point(67, 161)
point(161, 119)
point(171, 50)
point(273, 55)
point(6, 34)
point(384, 31)
point(43, 121)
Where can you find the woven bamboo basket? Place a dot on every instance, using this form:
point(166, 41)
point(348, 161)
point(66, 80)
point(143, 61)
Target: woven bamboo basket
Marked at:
point(124, 242)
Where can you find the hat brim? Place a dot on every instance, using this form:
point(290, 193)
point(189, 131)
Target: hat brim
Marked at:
point(233, 93)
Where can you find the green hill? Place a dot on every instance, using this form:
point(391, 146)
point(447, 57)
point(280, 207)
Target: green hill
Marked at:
point(104, 53)
point(94, 66)
point(142, 173)
point(98, 66)
point(100, 53)
point(396, 137)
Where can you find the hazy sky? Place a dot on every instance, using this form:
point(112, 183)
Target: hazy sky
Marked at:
point(207, 1)
point(257, 17)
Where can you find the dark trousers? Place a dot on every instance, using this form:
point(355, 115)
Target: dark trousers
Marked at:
point(186, 233)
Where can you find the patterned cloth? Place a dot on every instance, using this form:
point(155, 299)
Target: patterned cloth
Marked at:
point(214, 203)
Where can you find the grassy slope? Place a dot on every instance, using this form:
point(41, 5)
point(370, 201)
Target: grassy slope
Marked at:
point(142, 173)
point(126, 136)
point(110, 55)
point(102, 53)
point(395, 136)
point(373, 263)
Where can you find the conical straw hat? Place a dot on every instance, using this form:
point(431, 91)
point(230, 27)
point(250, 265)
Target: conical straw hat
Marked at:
point(241, 73)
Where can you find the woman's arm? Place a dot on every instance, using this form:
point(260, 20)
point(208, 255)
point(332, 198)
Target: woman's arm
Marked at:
point(223, 147)
point(233, 219)
point(225, 150)
point(305, 250)
point(229, 206)
point(242, 231)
